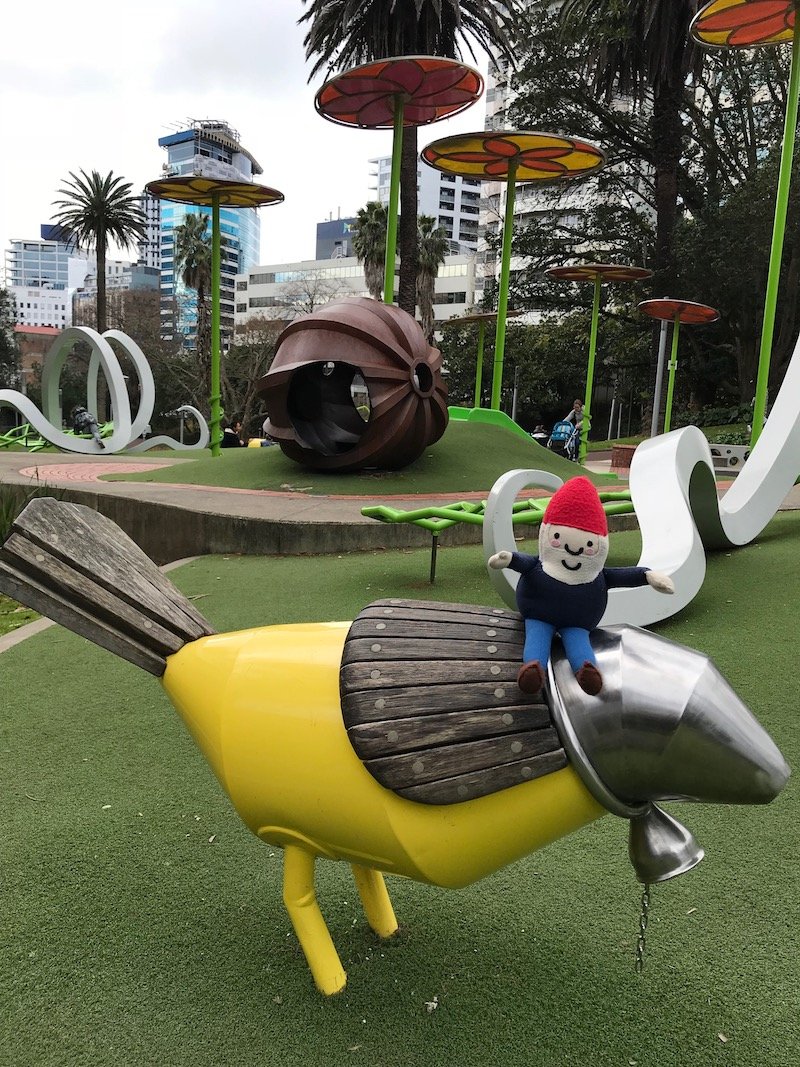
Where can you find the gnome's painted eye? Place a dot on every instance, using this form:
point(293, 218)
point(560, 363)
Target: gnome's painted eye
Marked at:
point(589, 544)
point(556, 536)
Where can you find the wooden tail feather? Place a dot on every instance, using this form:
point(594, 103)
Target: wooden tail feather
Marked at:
point(79, 569)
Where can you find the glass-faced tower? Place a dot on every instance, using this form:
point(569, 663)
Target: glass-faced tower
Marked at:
point(211, 149)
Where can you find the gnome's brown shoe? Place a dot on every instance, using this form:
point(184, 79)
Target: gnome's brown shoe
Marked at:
point(590, 679)
point(530, 678)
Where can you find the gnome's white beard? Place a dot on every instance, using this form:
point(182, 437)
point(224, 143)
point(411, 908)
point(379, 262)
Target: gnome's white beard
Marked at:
point(563, 566)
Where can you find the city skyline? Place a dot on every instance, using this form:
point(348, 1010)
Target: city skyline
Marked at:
point(99, 106)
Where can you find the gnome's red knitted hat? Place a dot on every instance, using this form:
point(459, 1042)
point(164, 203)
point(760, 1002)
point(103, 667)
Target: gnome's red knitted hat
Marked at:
point(577, 504)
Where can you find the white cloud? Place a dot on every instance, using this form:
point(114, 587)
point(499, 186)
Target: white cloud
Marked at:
point(92, 86)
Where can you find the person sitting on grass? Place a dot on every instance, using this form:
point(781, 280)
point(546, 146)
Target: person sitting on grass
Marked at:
point(231, 434)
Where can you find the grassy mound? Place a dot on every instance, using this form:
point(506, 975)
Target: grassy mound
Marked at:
point(468, 459)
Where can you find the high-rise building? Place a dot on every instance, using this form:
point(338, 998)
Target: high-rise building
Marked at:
point(211, 149)
point(450, 199)
point(284, 290)
point(335, 239)
point(41, 276)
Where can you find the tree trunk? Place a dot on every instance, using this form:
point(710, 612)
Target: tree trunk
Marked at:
point(407, 230)
point(102, 314)
point(666, 131)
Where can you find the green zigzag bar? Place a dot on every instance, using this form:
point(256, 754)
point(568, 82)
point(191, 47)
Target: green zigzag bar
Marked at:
point(440, 517)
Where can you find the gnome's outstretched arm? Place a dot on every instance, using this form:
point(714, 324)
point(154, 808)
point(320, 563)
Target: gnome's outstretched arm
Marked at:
point(629, 577)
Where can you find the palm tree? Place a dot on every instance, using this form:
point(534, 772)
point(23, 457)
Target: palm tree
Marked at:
point(192, 259)
point(642, 49)
point(433, 248)
point(369, 244)
point(93, 211)
point(344, 33)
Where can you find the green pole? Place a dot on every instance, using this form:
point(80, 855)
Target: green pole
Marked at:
point(479, 368)
point(502, 298)
point(776, 251)
point(587, 400)
point(394, 203)
point(216, 412)
point(673, 366)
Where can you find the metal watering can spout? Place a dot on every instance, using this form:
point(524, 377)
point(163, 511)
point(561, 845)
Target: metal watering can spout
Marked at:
point(665, 726)
point(660, 847)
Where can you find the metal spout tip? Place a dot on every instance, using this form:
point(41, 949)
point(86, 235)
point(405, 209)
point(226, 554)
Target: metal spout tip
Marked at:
point(660, 847)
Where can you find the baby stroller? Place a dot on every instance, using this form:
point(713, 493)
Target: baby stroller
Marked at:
point(564, 440)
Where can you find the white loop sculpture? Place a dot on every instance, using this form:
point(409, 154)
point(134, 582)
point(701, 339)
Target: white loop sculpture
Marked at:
point(127, 429)
point(674, 494)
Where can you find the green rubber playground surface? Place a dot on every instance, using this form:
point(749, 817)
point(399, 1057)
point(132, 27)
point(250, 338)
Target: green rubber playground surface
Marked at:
point(143, 925)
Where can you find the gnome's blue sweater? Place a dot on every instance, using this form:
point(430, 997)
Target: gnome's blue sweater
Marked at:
point(541, 597)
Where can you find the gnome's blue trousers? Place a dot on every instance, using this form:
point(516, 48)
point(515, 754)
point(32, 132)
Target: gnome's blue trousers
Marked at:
point(539, 637)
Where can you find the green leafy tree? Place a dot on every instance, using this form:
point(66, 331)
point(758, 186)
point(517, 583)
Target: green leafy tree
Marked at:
point(248, 360)
point(433, 249)
point(344, 33)
point(9, 350)
point(731, 115)
point(369, 244)
point(93, 211)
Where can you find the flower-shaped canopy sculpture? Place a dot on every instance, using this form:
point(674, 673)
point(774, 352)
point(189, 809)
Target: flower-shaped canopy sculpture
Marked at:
point(596, 273)
point(431, 88)
point(602, 272)
point(745, 24)
point(481, 318)
point(193, 189)
point(679, 311)
point(213, 192)
point(676, 312)
point(510, 156)
point(391, 94)
point(514, 155)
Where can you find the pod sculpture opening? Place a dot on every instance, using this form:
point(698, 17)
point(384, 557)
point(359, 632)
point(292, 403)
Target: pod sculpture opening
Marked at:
point(312, 389)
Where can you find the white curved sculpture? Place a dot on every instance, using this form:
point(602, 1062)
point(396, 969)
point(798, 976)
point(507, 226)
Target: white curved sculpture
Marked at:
point(47, 422)
point(674, 494)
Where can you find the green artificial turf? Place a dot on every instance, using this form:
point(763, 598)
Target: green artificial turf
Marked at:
point(491, 451)
point(143, 925)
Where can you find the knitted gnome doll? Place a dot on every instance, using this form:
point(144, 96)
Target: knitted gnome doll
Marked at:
point(564, 589)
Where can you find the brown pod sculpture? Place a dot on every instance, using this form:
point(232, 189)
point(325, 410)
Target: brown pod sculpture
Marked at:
point(326, 359)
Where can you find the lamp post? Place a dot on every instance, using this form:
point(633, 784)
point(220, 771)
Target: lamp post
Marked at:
point(391, 94)
point(597, 273)
point(746, 24)
point(675, 311)
point(213, 192)
point(510, 156)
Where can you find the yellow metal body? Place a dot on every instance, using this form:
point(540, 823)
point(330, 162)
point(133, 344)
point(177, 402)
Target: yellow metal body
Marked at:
point(263, 705)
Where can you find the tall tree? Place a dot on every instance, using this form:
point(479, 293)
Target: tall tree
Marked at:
point(433, 249)
point(93, 211)
point(9, 350)
point(641, 49)
point(192, 258)
point(344, 33)
point(369, 244)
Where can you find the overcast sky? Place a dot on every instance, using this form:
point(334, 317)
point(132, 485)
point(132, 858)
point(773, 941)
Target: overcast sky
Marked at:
point(93, 86)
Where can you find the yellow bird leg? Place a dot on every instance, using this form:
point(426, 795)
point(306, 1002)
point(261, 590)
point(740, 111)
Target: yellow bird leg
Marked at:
point(375, 898)
point(309, 925)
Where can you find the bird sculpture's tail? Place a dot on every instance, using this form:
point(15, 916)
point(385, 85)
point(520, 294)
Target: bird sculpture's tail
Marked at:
point(79, 569)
